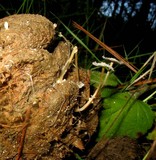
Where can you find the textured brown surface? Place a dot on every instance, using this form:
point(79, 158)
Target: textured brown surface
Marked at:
point(25, 30)
point(121, 148)
point(31, 99)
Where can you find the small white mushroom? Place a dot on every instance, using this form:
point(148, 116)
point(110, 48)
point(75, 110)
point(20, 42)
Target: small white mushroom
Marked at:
point(6, 25)
point(54, 25)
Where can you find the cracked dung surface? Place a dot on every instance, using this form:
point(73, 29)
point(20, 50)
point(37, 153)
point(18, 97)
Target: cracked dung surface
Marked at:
point(28, 81)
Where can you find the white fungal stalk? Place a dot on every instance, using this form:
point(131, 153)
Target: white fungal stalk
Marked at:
point(66, 66)
point(103, 65)
point(112, 60)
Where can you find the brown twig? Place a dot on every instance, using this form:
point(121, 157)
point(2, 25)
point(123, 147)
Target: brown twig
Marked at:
point(20, 148)
point(151, 153)
point(110, 50)
point(142, 82)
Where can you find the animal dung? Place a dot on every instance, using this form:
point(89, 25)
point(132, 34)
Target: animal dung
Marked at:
point(37, 119)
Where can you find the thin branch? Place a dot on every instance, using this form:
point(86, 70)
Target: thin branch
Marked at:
point(20, 148)
point(110, 50)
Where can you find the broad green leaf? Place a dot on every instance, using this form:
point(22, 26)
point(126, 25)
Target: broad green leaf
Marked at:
point(107, 91)
point(96, 79)
point(123, 115)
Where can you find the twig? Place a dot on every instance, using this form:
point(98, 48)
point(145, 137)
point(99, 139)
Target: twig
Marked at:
point(151, 151)
point(20, 148)
point(110, 50)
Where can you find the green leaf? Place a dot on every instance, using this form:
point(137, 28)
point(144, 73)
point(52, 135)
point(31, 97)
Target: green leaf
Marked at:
point(152, 135)
point(123, 115)
point(110, 85)
point(96, 79)
point(107, 92)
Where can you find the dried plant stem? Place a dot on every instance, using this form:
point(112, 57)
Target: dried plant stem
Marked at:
point(110, 50)
point(20, 148)
point(150, 153)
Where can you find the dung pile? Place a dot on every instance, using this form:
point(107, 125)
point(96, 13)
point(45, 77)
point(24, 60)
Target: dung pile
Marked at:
point(37, 113)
